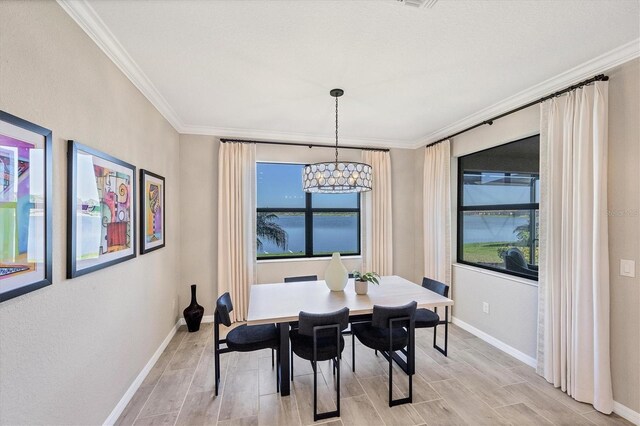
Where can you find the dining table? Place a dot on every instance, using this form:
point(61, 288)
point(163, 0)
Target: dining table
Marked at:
point(281, 303)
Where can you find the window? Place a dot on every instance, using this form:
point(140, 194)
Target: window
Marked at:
point(498, 202)
point(291, 223)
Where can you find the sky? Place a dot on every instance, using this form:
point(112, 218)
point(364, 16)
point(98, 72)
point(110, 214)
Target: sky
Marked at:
point(280, 185)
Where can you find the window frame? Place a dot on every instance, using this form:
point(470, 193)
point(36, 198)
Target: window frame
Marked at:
point(308, 210)
point(531, 207)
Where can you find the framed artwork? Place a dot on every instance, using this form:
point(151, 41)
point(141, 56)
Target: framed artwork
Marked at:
point(101, 219)
point(25, 206)
point(152, 212)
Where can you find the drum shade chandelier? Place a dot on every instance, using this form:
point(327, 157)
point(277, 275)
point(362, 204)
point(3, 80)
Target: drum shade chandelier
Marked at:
point(336, 177)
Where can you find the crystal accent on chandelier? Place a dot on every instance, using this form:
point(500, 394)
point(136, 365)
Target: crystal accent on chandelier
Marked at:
point(336, 177)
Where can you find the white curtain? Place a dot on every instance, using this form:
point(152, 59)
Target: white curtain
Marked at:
point(573, 332)
point(376, 213)
point(236, 223)
point(437, 212)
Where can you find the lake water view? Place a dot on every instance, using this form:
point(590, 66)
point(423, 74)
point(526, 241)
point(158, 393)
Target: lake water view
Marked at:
point(492, 228)
point(332, 232)
point(339, 232)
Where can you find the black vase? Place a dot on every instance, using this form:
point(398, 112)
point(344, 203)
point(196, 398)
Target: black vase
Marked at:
point(193, 313)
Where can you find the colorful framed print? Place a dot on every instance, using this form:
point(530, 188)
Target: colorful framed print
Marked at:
point(25, 206)
point(101, 219)
point(152, 211)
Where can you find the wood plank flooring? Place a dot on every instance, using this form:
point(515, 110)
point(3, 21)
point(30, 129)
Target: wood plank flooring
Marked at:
point(476, 385)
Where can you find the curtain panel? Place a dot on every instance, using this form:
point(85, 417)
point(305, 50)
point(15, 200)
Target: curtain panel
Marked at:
point(573, 329)
point(237, 224)
point(437, 212)
point(377, 250)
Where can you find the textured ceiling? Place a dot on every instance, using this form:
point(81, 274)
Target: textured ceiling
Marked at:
point(265, 68)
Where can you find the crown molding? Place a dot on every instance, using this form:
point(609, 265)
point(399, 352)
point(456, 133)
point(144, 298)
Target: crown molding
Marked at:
point(87, 18)
point(597, 65)
point(301, 138)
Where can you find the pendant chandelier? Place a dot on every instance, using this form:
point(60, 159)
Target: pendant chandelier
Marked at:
point(336, 177)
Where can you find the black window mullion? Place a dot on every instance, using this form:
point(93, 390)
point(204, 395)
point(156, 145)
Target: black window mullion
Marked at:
point(494, 207)
point(308, 226)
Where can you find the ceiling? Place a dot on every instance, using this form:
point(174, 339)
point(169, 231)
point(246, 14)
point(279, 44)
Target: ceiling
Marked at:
point(263, 69)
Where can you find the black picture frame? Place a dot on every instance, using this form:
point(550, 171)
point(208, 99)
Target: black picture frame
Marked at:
point(147, 246)
point(18, 289)
point(74, 269)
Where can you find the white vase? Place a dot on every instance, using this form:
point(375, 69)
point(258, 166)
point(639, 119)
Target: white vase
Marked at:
point(362, 287)
point(336, 275)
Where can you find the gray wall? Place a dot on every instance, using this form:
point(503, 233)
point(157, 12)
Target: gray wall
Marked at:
point(513, 313)
point(69, 351)
point(624, 230)
point(198, 181)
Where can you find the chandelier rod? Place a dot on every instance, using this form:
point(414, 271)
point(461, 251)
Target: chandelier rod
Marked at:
point(336, 129)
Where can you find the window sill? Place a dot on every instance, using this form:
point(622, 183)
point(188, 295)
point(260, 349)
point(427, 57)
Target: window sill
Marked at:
point(305, 259)
point(508, 277)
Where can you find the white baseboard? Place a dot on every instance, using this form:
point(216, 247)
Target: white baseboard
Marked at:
point(206, 318)
point(521, 356)
point(119, 408)
point(619, 409)
point(626, 412)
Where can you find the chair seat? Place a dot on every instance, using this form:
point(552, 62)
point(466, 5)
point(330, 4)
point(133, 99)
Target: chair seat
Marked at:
point(378, 338)
point(302, 345)
point(426, 318)
point(247, 338)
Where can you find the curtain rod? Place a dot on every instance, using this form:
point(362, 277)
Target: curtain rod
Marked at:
point(599, 77)
point(310, 145)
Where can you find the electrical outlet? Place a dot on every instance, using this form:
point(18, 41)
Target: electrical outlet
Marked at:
point(627, 268)
point(485, 307)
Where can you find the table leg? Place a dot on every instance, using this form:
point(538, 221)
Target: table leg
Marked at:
point(283, 327)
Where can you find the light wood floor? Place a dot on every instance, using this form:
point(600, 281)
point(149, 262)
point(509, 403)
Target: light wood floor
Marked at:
point(476, 385)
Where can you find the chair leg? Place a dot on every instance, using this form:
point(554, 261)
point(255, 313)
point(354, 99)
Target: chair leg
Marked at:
point(353, 352)
point(272, 358)
point(390, 379)
point(435, 333)
point(326, 415)
point(217, 369)
point(410, 354)
point(443, 351)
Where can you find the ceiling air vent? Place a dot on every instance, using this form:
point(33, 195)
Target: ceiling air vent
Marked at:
point(419, 3)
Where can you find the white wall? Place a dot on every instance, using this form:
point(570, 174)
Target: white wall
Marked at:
point(513, 301)
point(69, 351)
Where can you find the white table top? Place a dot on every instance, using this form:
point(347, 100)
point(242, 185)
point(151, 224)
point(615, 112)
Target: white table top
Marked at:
point(282, 302)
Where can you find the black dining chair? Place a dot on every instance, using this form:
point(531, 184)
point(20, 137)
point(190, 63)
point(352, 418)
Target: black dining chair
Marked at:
point(301, 278)
point(319, 338)
point(244, 338)
point(514, 261)
point(391, 329)
point(426, 318)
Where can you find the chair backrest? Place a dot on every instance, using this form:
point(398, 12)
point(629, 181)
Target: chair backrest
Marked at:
point(301, 278)
point(306, 322)
point(436, 286)
point(514, 261)
point(223, 308)
point(382, 314)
